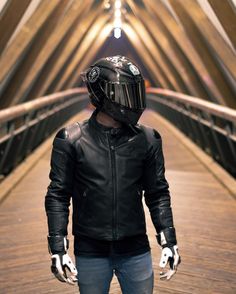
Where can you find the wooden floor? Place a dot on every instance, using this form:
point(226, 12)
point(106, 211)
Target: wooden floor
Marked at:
point(205, 219)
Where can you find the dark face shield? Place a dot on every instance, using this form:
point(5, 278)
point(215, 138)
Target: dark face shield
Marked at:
point(132, 96)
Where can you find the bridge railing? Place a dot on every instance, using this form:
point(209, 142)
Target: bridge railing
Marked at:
point(211, 126)
point(25, 126)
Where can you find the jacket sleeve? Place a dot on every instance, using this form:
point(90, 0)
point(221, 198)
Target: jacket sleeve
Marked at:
point(57, 200)
point(156, 187)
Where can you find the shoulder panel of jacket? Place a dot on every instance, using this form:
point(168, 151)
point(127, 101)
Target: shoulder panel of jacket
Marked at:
point(151, 134)
point(70, 133)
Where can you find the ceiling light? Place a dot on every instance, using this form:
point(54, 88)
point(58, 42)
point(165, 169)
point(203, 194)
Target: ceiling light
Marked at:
point(117, 33)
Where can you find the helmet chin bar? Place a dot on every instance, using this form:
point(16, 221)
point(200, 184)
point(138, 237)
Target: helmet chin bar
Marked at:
point(121, 113)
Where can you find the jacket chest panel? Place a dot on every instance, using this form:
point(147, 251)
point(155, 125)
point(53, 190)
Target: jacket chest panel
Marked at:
point(92, 160)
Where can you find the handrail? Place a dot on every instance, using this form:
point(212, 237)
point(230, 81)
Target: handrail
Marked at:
point(22, 109)
point(211, 126)
point(23, 127)
point(212, 108)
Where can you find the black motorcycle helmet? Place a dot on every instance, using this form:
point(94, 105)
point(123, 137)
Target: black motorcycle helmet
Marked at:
point(116, 87)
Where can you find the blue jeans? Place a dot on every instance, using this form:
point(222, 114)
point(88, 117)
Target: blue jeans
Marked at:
point(134, 273)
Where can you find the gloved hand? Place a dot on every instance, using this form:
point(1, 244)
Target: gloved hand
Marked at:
point(61, 261)
point(169, 254)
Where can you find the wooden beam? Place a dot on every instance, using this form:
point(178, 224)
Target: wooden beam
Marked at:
point(28, 62)
point(10, 18)
point(97, 43)
point(144, 54)
point(14, 52)
point(82, 50)
point(225, 12)
point(155, 53)
point(171, 51)
point(209, 45)
point(83, 65)
point(211, 35)
point(49, 47)
point(178, 35)
point(61, 58)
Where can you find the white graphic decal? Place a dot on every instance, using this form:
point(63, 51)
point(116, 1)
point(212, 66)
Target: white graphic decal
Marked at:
point(94, 74)
point(117, 60)
point(134, 69)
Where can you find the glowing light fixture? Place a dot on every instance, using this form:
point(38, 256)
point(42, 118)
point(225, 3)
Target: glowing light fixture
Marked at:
point(117, 23)
point(117, 33)
point(117, 13)
point(117, 4)
point(117, 19)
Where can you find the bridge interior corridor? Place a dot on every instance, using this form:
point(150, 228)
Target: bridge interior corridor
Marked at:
point(204, 214)
point(184, 57)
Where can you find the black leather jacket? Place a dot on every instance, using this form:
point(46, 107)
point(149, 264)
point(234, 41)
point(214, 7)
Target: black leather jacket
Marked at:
point(105, 171)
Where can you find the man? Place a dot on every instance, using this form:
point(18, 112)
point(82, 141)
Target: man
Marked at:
point(106, 164)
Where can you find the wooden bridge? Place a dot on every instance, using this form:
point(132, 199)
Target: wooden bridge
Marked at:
point(204, 212)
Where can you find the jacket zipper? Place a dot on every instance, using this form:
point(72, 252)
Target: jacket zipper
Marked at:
point(114, 200)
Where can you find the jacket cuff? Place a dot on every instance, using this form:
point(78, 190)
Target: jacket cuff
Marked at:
point(167, 237)
point(57, 244)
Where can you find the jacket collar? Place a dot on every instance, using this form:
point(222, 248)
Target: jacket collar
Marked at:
point(113, 131)
point(101, 128)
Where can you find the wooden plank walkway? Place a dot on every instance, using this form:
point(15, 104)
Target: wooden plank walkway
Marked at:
point(205, 218)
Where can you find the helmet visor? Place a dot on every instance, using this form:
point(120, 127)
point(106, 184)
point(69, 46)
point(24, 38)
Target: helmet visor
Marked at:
point(132, 96)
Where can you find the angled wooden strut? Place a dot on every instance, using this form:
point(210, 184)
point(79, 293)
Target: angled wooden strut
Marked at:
point(215, 53)
point(145, 55)
point(97, 43)
point(28, 61)
point(172, 54)
point(13, 53)
point(154, 47)
point(211, 35)
point(175, 32)
point(156, 54)
point(85, 62)
point(226, 13)
point(82, 50)
point(10, 18)
point(63, 54)
point(49, 47)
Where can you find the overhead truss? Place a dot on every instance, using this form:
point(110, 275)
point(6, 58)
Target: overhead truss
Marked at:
point(182, 48)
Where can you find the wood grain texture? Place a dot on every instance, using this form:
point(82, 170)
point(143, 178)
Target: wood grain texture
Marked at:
point(154, 70)
point(210, 46)
point(225, 11)
point(204, 215)
point(24, 37)
point(62, 56)
point(80, 53)
point(177, 34)
point(9, 20)
point(170, 49)
point(155, 53)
